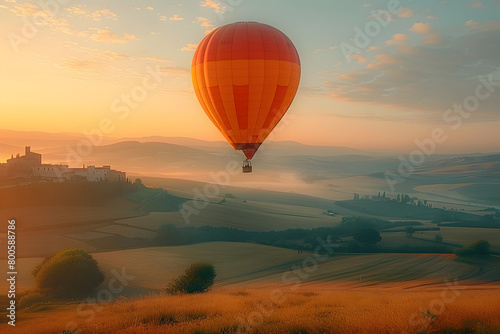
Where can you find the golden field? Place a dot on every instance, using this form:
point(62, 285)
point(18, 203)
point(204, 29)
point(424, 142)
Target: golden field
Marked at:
point(277, 308)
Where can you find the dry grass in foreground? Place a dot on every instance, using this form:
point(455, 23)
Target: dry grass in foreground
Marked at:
point(309, 309)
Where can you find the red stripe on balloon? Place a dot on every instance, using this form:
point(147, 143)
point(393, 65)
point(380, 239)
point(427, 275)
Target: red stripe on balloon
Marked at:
point(216, 100)
point(241, 94)
point(279, 96)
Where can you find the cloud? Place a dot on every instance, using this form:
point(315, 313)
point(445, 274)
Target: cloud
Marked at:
point(358, 57)
point(97, 15)
point(324, 50)
point(149, 8)
point(427, 78)
point(367, 5)
point(76, 10)
point(430, 17)
point(397, 39)
point(487, 26)
point(372, 48)
point(215, 6)
point(79, 64)
point(406, 13)
point(206, 23)
point(176, 18)
point(429, 35)
point(25, 10)
point(476, 4)
point(156, 59)
point(189, 47)
point(100, 14)
point(175, 71)
point(421, 28)
point(107, 36)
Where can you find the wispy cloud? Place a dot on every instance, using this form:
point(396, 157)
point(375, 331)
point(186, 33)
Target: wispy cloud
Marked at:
point(425, 77)
point(189, 47)
point(103, 13)
point(358, 57)
point(476, 4)
point(206, 23)
point(487, 26)
point(429, 35)
point(406, 13)
point(96, 15)
point(176, 17)
point(107, 36)
point(175, 71)
point(397, 39)
point(25, 10)
point(215, 6)
point(79, 10)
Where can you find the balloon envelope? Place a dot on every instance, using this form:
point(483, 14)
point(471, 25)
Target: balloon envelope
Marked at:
point(245, 76)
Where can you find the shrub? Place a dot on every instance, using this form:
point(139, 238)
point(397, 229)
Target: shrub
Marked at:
point(32, 298)
point(70, 273)
point(439, 238)
point(479, 248)
point(409, 231)
point(198, 278)
point(367, 236)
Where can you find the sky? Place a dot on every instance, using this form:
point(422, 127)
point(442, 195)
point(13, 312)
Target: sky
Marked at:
point(378, 75)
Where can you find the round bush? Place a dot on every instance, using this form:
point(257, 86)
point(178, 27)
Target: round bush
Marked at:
point(71, 273)
point(198, 278)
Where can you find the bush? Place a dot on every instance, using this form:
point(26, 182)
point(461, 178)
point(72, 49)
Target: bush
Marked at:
point(438, 238)
point(32, 298)
point(367, 236)
point(70, 273)
point(198, 278)
point(478, 248)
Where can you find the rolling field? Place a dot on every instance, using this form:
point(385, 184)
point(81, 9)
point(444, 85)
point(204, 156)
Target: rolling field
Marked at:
point(249, 215)
point(244, 263)
point(466, 235)
point(275, 309)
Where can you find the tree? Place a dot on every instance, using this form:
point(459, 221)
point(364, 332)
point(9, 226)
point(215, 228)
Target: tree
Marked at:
point(71, 273)
point(478, 248)
point(367, 236)
point(409, 231)
point(439, 238)
point(198, 278)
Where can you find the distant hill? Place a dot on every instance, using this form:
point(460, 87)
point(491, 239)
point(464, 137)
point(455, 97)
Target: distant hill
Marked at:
point(485, 165)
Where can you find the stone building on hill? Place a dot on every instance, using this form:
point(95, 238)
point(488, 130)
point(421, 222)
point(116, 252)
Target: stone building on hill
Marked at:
point(30, 165)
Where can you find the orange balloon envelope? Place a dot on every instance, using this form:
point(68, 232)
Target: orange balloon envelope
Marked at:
point(245, 76)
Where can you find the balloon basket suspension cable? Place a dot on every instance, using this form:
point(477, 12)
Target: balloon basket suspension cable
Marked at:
point(247, 166)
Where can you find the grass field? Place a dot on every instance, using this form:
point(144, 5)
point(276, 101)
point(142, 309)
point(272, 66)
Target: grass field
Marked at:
point(398, 210)
point(465, 235)
point(244, 263)
point(276, 309)
point(250, 216)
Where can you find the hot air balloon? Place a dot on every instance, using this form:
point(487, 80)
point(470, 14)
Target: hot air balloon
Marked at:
point(245, 76)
